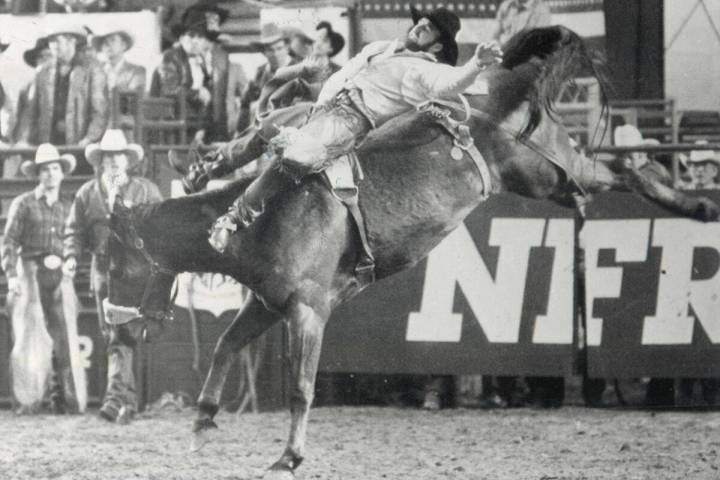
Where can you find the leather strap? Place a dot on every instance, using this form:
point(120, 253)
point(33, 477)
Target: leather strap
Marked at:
point(365, 267)
point(513, 132)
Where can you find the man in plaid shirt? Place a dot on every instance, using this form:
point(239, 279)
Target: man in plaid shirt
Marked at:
point(31, 254)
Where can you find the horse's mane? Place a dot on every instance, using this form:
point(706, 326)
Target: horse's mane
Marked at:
point(557, 56)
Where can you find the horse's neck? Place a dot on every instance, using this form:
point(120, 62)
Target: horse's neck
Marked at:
point(178, 231)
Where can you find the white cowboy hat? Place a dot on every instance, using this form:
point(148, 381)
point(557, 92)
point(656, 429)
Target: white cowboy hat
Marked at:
point(113, 141)
point(697, 156)
point(627, 136)
point(47, 153)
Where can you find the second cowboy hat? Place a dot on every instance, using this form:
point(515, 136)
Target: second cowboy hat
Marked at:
point(113, 141)
point(31, 56)
point(269, 33)
point(47, 153)
point(78, 33)
point(98, 40)
point(195, 20)
point(699, 156)
point(448, 24)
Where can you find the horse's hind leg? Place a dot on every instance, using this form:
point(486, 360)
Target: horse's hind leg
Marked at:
point(306, 332)
point(249, 323)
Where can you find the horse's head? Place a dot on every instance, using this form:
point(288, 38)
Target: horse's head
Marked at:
point(139, 285)
point(537, 64)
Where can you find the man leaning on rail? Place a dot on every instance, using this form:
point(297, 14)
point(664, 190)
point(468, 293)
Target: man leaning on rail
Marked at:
point(386, 79)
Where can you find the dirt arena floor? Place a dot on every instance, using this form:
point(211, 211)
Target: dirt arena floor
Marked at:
point(373, 443)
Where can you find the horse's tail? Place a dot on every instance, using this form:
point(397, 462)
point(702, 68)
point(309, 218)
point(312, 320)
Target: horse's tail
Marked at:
point(561, 55)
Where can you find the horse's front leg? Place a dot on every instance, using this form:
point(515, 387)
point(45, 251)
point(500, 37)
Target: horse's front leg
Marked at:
point(698, 208)
point(249, 323)
point(306, 332)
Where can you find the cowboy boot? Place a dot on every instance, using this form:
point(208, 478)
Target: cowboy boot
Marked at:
point(213, 165)
point(248, 207)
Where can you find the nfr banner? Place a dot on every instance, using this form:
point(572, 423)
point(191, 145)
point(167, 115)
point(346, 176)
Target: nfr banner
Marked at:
point(498, 296)
point(653, 290)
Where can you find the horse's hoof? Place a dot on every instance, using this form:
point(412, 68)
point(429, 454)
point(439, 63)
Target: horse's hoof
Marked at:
point(279, 474)
point(707, 210)
point(203, 431)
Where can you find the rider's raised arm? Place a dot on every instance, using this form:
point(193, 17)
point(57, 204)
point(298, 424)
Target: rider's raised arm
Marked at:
point(337, 81)
point(440, 80)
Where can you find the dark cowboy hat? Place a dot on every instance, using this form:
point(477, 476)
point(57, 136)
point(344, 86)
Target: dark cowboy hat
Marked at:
point(31, 56)
point(195, 20)
point(448, 24)
point(337, 41)
point(3, 46)
point(98, 40)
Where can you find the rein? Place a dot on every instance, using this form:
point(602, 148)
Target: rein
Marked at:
point(528, 142)
point(119, 315)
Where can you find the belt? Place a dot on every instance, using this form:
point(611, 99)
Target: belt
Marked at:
point(352, 97)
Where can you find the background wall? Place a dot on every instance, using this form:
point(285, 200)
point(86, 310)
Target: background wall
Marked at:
point(692, 53)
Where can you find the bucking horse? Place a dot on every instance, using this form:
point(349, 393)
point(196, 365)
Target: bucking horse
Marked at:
point(300, 258)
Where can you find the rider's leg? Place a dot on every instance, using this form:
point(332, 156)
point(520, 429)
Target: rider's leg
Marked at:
point(310, 149)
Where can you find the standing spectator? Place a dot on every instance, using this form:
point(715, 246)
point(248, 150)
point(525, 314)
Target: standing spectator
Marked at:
point(302, 82)
point(39, 57)
point(31, 254)
point(630, 136)
point(516, 15)
point(70, 104)
point(4, 135)
point(121, 74)
point(299, 43)
point(87, 228)
point(193, 64)
point(274, 46)
point(702, 168)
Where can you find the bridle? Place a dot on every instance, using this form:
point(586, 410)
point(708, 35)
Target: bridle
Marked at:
point(119, 315)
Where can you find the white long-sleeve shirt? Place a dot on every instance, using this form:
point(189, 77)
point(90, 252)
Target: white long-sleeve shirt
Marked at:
point(393, 80)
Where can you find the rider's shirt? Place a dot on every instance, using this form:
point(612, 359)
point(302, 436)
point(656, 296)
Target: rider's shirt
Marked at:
point(393, 79)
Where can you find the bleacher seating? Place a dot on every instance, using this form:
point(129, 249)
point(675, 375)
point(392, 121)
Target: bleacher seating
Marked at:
point(655, 118)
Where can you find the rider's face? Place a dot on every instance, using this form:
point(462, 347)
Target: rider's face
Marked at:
point(422, 36)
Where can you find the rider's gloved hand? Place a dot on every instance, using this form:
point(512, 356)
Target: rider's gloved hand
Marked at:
point(212, 165)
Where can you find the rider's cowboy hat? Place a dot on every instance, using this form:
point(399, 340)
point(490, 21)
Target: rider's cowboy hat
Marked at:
point(269, 33)
point(97, 41)
point(448, 24)
point(47, 153)
point(699, 156)
point(113, 141)
point(31, 56)
point(337, 41)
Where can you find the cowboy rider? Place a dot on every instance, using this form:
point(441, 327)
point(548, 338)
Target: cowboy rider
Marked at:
point(386, 79)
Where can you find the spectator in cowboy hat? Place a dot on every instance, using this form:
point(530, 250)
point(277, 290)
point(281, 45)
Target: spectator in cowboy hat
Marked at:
point(31, 256)
point(198, 66)
point(702, 169)
point(299, 42)
point(87, 229)
point(302, 82)
point(70, 104)
point(274, 45)
point(629, 136)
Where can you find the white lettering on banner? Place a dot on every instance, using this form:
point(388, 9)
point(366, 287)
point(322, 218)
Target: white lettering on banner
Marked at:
point(672, 322)
point(557, 325)
point(496, 303)
point(86, 349)
point(629, 239)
